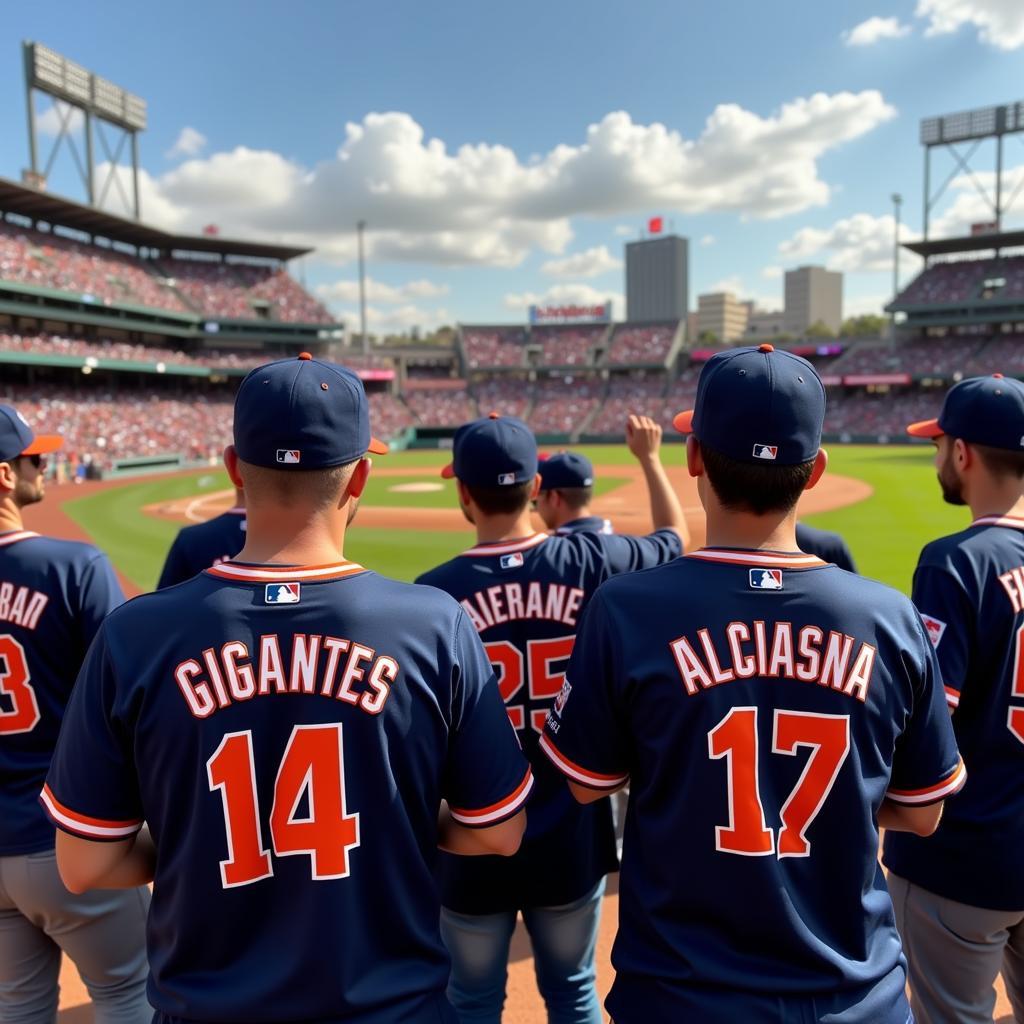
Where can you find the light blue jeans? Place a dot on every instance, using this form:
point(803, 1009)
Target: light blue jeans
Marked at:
point(563, 939)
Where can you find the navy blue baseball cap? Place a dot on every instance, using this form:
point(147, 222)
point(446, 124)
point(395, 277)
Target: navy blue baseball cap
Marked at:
point(565, 469)
point(494, 451)
point(980, 410)
point(303, 414)
point(17, 437)
point(758, 405)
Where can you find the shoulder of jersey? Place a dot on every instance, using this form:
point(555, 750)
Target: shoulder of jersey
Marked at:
point(975, 537)
point(54, 549)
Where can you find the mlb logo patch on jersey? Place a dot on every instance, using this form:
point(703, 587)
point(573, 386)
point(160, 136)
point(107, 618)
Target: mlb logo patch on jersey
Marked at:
point(766, 579)
point(563, 696)
point(505, 479)
point(513, 561)
point(766, 451)
point(289, 456)
point(281, 593)
point(935, 628)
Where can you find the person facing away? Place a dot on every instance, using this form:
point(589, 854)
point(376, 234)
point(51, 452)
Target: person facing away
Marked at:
point(201, 545)
point(566, 491)
point(53, 596)
point(770, 713)
point(959, 895)
point(300, 734)
point(828, 545)
point(523, 592)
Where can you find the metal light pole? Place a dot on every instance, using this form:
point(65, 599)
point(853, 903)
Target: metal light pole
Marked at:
point(360, 228)
point(897, 202)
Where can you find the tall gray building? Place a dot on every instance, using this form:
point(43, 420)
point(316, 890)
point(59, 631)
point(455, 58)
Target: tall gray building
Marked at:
point(813, 294)
point(657, 279)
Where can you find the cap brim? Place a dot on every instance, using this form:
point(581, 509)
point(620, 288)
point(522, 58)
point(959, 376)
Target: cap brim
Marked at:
point(449, 471)
point(683, 422)
point(43, 444)
point(925, 428)
point(377, 447)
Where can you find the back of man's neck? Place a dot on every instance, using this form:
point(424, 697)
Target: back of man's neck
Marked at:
point(752, 532)
point(490, 529)
point(997, 503)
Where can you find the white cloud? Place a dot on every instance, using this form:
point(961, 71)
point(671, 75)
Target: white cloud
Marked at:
point(624, 230)
point(707, 240)
point(480, 204)
point(589, 263)
point(862, 242)
point(396, 320)
point(378, 291)
point(1000, 23)
point(859, 305)
point(969, 207)
point(733, 283)
point(771, 273)
point(565, 294)
point(49, 121)
point(190, 142)
point(871, 31)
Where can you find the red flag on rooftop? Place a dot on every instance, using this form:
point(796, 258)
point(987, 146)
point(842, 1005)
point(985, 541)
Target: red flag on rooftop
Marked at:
point(654, 225)
point(211, 229)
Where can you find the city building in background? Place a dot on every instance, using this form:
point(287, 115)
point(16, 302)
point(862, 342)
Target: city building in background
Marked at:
point(721, 317)
point(813, 295)
point(657, 279)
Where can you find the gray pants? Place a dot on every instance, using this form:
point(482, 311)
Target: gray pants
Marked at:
point(954, 952)
point(103, 932)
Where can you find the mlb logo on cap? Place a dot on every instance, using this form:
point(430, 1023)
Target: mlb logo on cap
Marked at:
point(766, 451)
point(281, 593)
point(505, 479)
point(766, 579)
point(289, 456)
point(511, 561)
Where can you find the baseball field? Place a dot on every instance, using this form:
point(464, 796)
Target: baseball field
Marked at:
point(884, 500)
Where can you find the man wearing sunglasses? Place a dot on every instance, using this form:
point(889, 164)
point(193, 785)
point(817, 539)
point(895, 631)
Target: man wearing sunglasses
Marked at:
point(53, 596)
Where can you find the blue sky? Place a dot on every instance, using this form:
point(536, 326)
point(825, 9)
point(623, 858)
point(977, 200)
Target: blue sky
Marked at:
point(503, 153)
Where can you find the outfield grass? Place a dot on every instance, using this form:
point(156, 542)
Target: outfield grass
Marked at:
point(885, 532)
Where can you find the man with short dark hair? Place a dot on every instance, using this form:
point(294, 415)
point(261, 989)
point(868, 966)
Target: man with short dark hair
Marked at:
point(566, 491)
point(53, 596)
point(289, 724)
point(770, 712)
point(524, 592)
point(959, 894)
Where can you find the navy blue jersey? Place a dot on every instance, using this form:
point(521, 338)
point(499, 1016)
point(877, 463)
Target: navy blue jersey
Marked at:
point(288, 734)
point(585, 524)
point(969, 588)
point(762, 706)
point(53, 596)
point(524, 598)
point(201, 545)
point(828, 546)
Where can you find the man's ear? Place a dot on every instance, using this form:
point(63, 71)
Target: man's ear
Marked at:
point(535, 490)
point(231, 465)
point(8, 478)
point(694, 459)
point(820, 465)
point(963, 454)
point(357, 482)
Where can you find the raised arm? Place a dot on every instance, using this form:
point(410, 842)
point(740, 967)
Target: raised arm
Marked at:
point(643, 436)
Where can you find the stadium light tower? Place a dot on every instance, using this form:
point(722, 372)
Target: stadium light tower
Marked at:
point(99, 102)
point(897, 202)
point(360, 228)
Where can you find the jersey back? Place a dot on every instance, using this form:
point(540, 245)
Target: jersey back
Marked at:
point(525, 599)
point(969, 588)
point(53, 596)
point(201, 545)
point(761, 706)
point(289, 735)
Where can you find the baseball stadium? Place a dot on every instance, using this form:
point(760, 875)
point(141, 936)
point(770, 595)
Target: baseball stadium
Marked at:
point(130, 341)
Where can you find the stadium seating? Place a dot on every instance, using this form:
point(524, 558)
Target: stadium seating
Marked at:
point(562, 404)
point(632, 345)
point(389, 416)
point(509, 396)
point(917, 356)
point(964, 280)
point(879, 414)
point(1004, 354)
point(104, 275)
point(641, 395)
point(493, 346)
point(681, 395)
point(566, 346)
point(441, 408)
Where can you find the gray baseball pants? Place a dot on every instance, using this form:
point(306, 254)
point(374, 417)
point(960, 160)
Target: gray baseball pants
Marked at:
point(102, 931)
point(954, 952)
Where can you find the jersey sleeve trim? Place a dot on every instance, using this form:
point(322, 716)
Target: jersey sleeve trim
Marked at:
point(952, 783)
point(952, 696)
point(496, 812)
point(82, 824)
point(576, 772)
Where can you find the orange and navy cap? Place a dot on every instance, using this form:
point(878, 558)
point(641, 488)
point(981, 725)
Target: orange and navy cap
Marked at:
point(17, 437)
point(758, 404)
point(980, 410)
point(493, 451)
point(303, 414)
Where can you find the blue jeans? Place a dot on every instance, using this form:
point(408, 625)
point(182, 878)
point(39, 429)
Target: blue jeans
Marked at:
point(563, 939)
